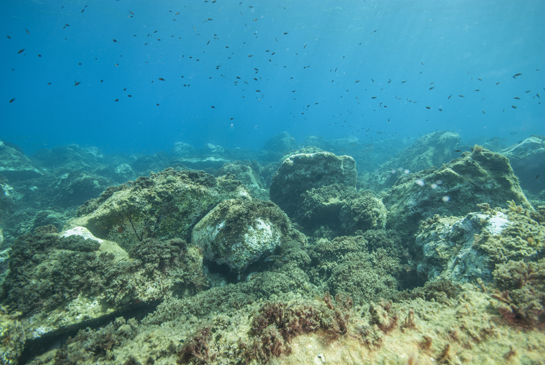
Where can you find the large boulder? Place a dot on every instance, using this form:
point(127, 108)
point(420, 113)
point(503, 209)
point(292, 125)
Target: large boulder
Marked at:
point(14, 165)
point(528, 159)
point(163, 206)
point(303, 171)
point(454, 189)
point(239, 232)
point(464, 249)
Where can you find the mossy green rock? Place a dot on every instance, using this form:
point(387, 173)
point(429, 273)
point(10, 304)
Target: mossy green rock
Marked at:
point(238, 232)
point(63, 280)
point(304, 171)
point(163, 206)
point(469, 248)
point(454, 189)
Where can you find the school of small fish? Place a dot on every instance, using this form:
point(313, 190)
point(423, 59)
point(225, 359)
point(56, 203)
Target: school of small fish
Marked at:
point(222, 48)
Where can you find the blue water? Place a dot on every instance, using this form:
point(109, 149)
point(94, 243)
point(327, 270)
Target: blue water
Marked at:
point(307, 78)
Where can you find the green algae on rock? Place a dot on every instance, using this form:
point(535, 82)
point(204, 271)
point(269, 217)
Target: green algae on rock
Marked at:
point(303, 171)
point(453, 189)
point(238, 232)
point(59, 280)
point(469, 248)
point(245, 173)
point(432, 149)
point(163, 206)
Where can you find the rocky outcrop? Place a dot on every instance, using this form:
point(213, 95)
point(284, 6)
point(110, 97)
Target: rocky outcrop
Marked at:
point(302, 171)
point(464, 249)
point(454, 189)
point(163, 206)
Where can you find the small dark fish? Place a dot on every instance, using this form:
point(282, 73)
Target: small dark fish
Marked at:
point(440, 110)
point(516, 97)
point(403, 81)
point(373, 97)
point(27, 32)
point(515, 75)
point(101, 80)
point(513, 106)
point(116, 100)
point(537, 177)
point(76, 83)
point(250, 55)
point(527, 91)
point(458, 151)
point(433, 87)
point(428, 107)
point(39, 55)
point(12, 100)
point(285, 32)
point(479, 79)
point(461, 96)
point(49, 83)
point(157, 104)
point(8, 37)
point(160, 78)
point(538, 96)
point(484, 112)
point(21, 51)
point(82, 10)
point(133, 13)
point(477, 90)
point(372, 80)
point(450, 96)
point(130, 96)
point(357, 81)
point(275, 258)
point(213, 107)
point(115, 40)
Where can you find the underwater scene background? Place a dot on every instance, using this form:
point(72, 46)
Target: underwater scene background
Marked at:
point(250, 182)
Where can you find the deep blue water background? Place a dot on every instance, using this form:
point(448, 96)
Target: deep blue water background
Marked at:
point(307, 87)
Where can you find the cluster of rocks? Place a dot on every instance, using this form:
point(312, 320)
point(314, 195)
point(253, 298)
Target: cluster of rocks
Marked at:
point(179, 231)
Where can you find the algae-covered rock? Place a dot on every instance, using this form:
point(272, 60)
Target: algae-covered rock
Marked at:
point(12, 337)
point(321, 208)
point(522, 300)
point(304, 171)
point(60, 280)
point(454, 189)
point(528, 158)
point(345, 265)
point(245, 173)
point(76, 187)
point(238, 232)
point(163, 206)
point(469, 248)
point(15, 165)
point(430, 150)
point(363, 213)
